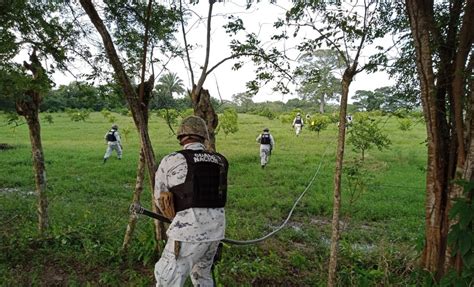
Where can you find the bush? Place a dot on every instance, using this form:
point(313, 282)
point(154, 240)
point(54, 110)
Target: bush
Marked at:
point(319, 123)
point(228, 122)
point(365, 133)
point(169, 115)
point(286, 118)
point(77, 115)
point(405, 124)
point(265, 112)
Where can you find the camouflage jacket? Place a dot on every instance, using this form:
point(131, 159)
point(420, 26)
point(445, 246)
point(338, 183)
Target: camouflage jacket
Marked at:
point(192, 224)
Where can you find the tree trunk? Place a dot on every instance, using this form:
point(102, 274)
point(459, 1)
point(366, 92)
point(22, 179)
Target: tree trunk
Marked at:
point(321, 104)
point(442, 100)
point(29, 108)
point(136, 199)
point(203, 108)
point(436, 178)
point(133, 100)
point(346, 81)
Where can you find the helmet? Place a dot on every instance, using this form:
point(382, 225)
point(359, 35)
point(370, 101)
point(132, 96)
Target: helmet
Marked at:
point(266, 129)
point(298, 114)
point(193, 126)
point(115, 127)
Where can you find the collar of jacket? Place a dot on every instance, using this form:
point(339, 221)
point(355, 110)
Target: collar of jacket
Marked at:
point(194, 146)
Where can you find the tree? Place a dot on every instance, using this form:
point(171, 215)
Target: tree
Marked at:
point(244, 100)
point(319, 123)
point(346, 28)
point(318, 82)
point(369, 100)
point(442, 37)
point(34, 27)
point(136, 24)
point(169, 84)
point(364, 134)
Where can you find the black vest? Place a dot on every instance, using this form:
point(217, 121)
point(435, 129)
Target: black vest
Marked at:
point(265, 139)
point(206, 181)
point(111, 136)
point(298, 120)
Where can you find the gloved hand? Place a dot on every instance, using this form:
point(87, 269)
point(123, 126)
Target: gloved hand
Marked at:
point(166, 204)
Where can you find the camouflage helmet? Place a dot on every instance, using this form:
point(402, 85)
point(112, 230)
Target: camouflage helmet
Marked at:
point(115, 127)
point(266, 129)
point(193, 126)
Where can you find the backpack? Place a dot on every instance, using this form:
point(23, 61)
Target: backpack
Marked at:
point(265, 139)
point(111, 136)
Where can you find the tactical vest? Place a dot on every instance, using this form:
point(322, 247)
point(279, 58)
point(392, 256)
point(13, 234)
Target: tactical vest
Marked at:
point(111, 136)
point(298, 120)
point(206, 181)
point(265, 139)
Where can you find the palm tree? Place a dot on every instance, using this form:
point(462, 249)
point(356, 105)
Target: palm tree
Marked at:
point(168, 84)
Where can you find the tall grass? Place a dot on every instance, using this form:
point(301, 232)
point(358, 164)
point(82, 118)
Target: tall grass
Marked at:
point(89, 207)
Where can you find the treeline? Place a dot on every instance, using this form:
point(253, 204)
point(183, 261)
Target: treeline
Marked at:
point(79, 95)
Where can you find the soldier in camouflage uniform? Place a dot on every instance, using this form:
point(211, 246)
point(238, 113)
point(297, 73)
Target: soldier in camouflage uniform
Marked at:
point(266, 146)
point(112, 138)
point(298, 123)
point(198, 224)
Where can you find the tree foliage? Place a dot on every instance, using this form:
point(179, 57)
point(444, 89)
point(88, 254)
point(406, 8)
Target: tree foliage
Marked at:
point(365, 134)
point(317, 72)
point(228, 122)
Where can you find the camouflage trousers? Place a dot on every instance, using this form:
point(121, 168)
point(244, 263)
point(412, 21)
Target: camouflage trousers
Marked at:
point(298, 128)
point(111, 146)
point(265, 151)
point(194, 259)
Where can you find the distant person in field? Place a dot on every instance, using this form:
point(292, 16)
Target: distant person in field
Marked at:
point(112, 137)
point(191, 190)
point(298, 123)
point(266, 146)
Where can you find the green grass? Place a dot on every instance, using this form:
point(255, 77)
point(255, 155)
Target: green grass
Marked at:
point(88, 208)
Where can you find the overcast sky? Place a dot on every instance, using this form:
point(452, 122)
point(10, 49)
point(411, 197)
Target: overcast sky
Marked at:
point(225, 82)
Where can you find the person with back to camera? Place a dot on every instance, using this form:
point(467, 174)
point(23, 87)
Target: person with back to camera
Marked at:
point(266, 146)
point(298, 123)
point(191, 190)
point(112, 137)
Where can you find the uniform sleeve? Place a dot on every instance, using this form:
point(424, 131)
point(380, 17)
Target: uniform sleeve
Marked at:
point(294, 120)
point(258, 138)
point(171, 172)
point(161, 181)
point(272, 141)
point(117, 137)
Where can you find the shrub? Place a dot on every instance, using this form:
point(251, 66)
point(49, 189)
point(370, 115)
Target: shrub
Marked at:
point(405, 124)
point(77, 115)
point(169, 115)
point(228, 122)
point(365, 133)
point(319, 123)
point(265, 112)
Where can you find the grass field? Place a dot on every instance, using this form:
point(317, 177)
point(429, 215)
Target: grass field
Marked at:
point(88, 207)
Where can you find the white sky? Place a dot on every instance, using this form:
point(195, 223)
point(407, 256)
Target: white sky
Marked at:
point(258, 19)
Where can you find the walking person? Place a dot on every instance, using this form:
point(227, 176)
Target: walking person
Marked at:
point(191, 190)
point(298, 123)
point(112, 137)
point(266, 146)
